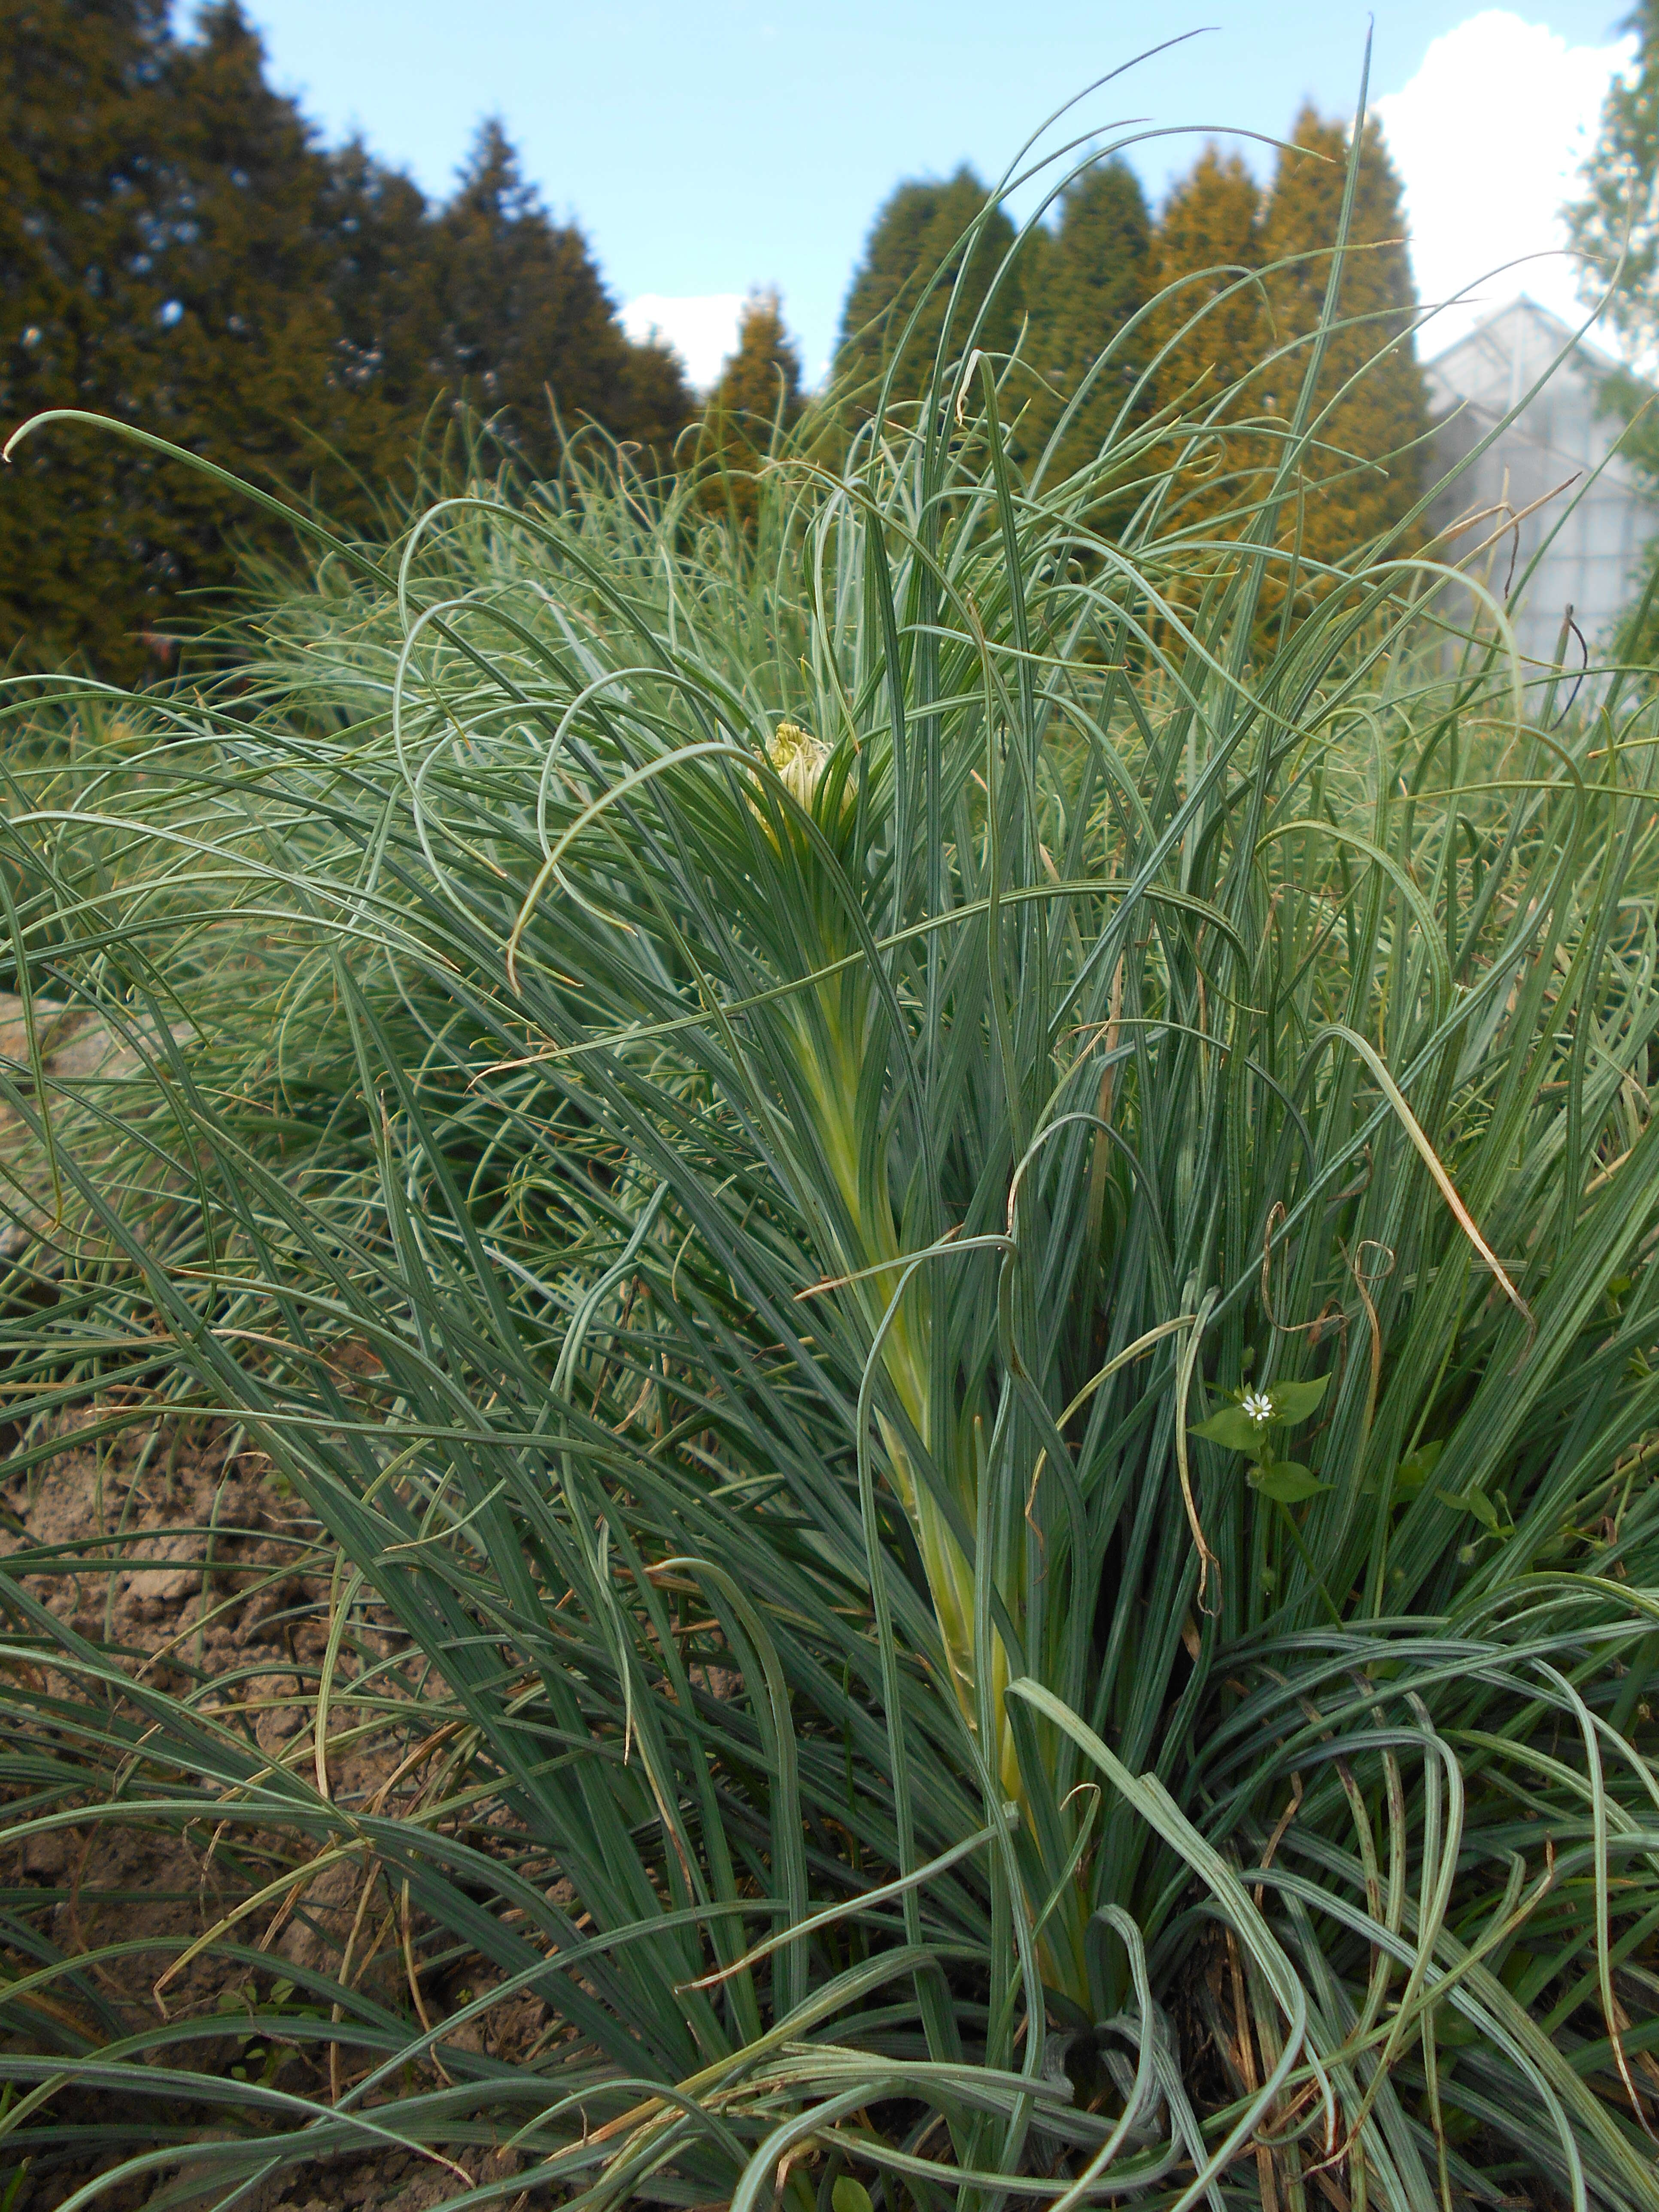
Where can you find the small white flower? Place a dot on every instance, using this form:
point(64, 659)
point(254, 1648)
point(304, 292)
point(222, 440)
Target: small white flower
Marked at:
point(1257, 1406)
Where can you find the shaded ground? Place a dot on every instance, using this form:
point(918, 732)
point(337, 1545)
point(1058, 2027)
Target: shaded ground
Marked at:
point(204, 1578)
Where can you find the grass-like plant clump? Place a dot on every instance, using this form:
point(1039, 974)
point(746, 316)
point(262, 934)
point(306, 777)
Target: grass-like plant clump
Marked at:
point(949, 1219)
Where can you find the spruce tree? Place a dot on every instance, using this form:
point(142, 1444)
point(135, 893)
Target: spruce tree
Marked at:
point(758, 397)
point(253, 355)
point(1085, 283)
point(527, 330)
point(165, 266)
point(1209, 331)
point(176, 251)
point(1365, 471)
point(83, 199)
point(922, 229)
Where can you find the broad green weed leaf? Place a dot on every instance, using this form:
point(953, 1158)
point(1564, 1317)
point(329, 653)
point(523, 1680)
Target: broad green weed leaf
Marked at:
point(1232, 1428)
point(1294, 1401)
point(1413, 1472)
point(1478, 1502)
point(850, 2196)
point(1415, 1468)
point(1287, 1484)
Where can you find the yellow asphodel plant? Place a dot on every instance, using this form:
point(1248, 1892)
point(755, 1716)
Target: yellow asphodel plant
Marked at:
point(830, 1028)
point(830, 1024)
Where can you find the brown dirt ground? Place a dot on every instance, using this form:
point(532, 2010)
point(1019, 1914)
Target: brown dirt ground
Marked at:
point(219, 1578)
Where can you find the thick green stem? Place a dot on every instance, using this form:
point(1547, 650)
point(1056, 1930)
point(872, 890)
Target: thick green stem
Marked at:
point(905, 1361)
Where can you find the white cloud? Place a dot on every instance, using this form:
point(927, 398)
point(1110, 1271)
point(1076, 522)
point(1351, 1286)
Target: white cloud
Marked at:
point(1488, 136)
point(702, 330)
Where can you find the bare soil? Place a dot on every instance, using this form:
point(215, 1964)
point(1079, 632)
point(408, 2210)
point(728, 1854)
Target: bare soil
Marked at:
point(194, 1571)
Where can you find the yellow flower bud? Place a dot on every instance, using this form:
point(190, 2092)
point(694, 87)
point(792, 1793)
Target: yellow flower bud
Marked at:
point(799, 760)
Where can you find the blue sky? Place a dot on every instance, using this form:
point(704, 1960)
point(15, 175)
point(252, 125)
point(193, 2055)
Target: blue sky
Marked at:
point(708, 148)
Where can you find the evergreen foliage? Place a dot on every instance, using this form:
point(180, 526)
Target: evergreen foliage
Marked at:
point(1366, 471)
point(1614, 224)
point(178, 252)
point(246, 370)
point(526, 331)
point(1249, 274)
point(757, 398)
point(89, 224)
point(1208, 326)
point(1085, 282)
point(923, 228)
point(381, 281)
point(1616, 216)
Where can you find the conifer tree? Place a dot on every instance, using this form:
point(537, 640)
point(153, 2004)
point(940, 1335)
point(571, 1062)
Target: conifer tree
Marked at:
point(1614, 223)
point(527, 330)
point(377, 224)
point(1085, 283)
point(1367, 469)
point(164, 265)
point(1208, 324)
point(757, 398)
point(654, 405)
point(83, 194)
point(1209, 331)
point(176, 251)
point(923, 229)
point(253, 357)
